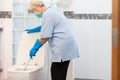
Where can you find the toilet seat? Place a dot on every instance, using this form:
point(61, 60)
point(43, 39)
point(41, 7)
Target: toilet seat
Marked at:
point(19, 69)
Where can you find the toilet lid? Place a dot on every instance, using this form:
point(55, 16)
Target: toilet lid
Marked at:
point(26, 43)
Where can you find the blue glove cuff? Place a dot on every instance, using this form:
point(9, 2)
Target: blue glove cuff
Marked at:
point(37, 45)
point(35, 48)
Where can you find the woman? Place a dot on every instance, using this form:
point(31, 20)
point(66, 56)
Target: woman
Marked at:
point(55, 29)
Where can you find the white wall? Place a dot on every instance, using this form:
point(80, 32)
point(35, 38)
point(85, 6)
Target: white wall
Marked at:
point(94, 39)
point(1, 5)
point(6, 41)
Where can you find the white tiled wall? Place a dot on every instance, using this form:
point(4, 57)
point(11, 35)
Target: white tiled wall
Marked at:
point(94, 39)
point(6, 41)
point(1, 5)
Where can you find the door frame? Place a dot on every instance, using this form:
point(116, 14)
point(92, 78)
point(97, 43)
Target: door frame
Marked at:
point(115, 40)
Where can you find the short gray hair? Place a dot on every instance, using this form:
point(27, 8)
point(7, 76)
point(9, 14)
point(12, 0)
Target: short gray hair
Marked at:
point(34, 3)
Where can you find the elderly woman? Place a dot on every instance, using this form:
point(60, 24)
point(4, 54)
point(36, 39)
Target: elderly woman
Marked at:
point(55, 29)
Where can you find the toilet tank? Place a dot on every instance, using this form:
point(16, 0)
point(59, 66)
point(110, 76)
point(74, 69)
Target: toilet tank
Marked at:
point(26, 43)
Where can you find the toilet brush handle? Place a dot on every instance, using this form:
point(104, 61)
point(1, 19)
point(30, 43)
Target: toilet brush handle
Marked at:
point(27, 64)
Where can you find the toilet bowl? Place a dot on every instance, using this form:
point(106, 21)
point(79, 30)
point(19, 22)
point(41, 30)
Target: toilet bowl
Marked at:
point(17, 71)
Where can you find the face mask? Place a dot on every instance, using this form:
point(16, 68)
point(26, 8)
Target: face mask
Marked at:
point(38, 14)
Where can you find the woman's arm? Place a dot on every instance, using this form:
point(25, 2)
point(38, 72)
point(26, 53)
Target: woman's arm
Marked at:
point(43, 41)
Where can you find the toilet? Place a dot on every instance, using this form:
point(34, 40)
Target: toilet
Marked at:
point(17, 72)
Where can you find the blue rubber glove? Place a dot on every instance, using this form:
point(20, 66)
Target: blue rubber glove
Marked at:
point(33, 30)
point(35, 48)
